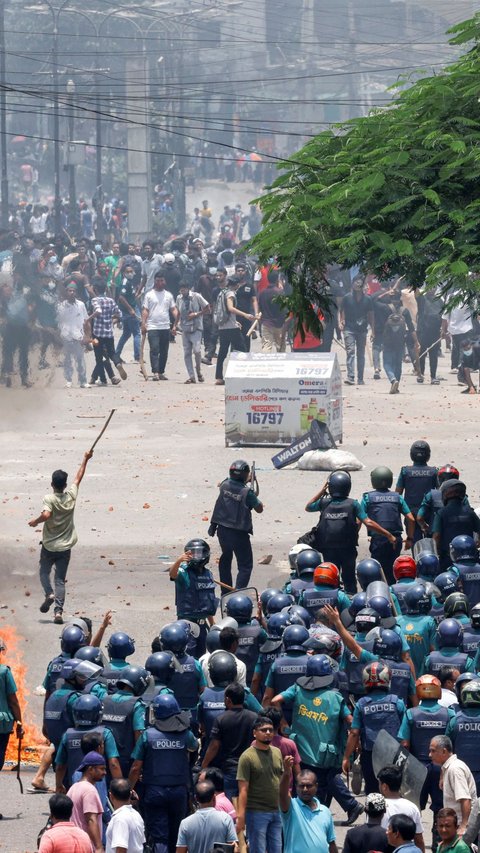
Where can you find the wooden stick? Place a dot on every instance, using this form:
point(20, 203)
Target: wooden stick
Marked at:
point(430, 347)
point(254, 325)
point(225, 585)
point(142, 358)
point(103, 430)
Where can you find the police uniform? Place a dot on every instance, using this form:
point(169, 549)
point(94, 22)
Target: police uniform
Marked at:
point(187, 685)
point(386, 508)
point(432, 503)
point(401, 678)
point(284, 672)
point(57, 713)
point(454, 519)
point(464, 730)
point(54, 669)
point(296, 586)
point(419, 632)
point(70, 753)
point(337, 534)
point(398, 590)
point(419, 726)
point(415, 481)
point(124, 714)
point(353, 667)
point(232, 514)
point(111, 673)
point(251, 636)
point(378, 710)
point(263, 664)
point(469, 573)
point(320, 594)
point(195, 600)
point(448, 657)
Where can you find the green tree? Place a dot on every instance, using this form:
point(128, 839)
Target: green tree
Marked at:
point(396, 192)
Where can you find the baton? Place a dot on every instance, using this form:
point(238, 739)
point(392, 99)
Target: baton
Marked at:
point(142, 358)
point(103, 430)
point(19, 758)
point(430, 347)
point(224, 585)
point(254, 484)
point(254, 325)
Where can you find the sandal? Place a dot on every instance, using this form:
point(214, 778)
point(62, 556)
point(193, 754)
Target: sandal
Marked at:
point(190, 381)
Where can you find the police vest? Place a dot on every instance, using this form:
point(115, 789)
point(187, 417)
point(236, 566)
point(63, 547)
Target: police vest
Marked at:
point(185, 684)
point(198, 599)
point(314, 599)
point(338, 527)
point(340, 682)
point(56, 715)
point(470, 577)
point(286, 670)
point(118, 717)
point(376, 714)
point(456, 520)
point(433, 505)
point(73, 739)
point(298, 586)
point(211, 705)
point(54, 669)
point(354, 670)
point(399, 589)
point(166, 758)
point(230, 508)
point(384, 508)
point(250, 639)
point(466, 738)
point(400, 673)
point(437, 660)
point(437, 612)
point(417, 481)
point(470, 641)
point(425, 725)
point(110, 676)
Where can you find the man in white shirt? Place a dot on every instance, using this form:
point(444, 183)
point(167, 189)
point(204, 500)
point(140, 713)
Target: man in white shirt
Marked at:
point(126, 830)
point(448, 676)
point(157, 312)
point(389, 782)
point(456, 781)
point(458, 324)
point(72, 323)
point(191, 308)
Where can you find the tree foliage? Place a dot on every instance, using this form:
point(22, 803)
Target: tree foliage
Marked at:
point(396, 192)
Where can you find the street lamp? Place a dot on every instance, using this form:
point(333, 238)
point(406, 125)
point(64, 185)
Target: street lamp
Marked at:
point(72, 195)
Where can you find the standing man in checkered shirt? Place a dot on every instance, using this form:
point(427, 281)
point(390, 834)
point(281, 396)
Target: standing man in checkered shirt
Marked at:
point(105, 310)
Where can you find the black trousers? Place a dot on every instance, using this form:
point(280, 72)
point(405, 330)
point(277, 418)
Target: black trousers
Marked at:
point(386, 554)
point(344, 559)
point(104, 354)
point(16, 337)
point(235, 542)
point(426, 337)
point(158, 341)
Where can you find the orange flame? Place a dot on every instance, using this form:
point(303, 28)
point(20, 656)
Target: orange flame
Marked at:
point(33, 742)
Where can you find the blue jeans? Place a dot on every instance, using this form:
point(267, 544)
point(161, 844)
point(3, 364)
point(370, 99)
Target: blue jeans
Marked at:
point(59, 559)
point(230, 784)
point(131, 327)
point(392, 363)
point(355, 341)
point(264, 831)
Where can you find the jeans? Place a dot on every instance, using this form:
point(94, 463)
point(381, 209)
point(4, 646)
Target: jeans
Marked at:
point(426, 337)
point(131, 328)
point(104, 353)
point(59, 559)
point(73, 352)
point(230, 784)
point(264, 831)
point(355, 341)
point(392, 363)
point(235, 542)
point(192, 343)
point(165, 807)
point(386, 554)
point(331, 784)
point(158, 341)
point(229, 339)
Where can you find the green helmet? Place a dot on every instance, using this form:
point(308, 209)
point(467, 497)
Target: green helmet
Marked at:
point(381, 477)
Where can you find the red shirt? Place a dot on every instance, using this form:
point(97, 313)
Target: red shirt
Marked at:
point(65, 837)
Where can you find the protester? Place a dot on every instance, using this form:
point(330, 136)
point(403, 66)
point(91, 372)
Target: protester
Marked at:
point(126, 830)
point(307, 825)
point(63, 834)
point(199, 832)
point(87, 807)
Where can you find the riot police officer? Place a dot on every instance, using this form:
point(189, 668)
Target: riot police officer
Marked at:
point(188, 682)
point(269, 651)
point(387, 508)
point(222, 670)
point(456, 606)
point(448, 641)
point(405, 574)
point(57, 712)
point(289, 666)
point(418, 626)
point(368, 571)
point(195, 598)
point(445, 583)
point(161, 666)
point(464, 557)
point(471, 636)
point(161, 756)
point(87, 717)
point(414, 481)
point(232, 522)
point(251, 634)
point(464, 728)
point(124, 712)
point(326, 579)
point(306, 562)
point(119, 647)
point(432, 501)
point(365, 620)
point(71, 638)
point(454, 519)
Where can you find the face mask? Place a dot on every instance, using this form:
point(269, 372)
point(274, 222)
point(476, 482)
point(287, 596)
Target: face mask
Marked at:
point(467, 351)
point(51, 285)
point(212, 270)
point(53, 259)
point(98, 248)
point(129, 275)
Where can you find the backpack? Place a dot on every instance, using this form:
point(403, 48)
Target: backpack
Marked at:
point(394, 330)
point(220, 311)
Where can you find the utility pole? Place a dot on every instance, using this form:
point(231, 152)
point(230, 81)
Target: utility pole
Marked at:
point(72, 193)
point(98, 162)
point(56, 129)
point(3, 119)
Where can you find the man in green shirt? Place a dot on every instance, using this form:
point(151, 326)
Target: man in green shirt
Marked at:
point(58, 537)
point(447, 829)
point(260, 770)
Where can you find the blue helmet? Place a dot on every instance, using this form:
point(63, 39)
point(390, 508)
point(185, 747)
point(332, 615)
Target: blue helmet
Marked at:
point(298, 615)
point(382, 605)
point(366, 619)
point(358, 602)
point(161, 666)
point(428, 566)
point(91, 653)
point(464, 678)
point(87, 711)
point(449, 634)
point(165, 705)
point(320, 666)
point(135, 677)
point(72, 637)
point(475, 616)
point(293, 638)
point(120, 645)
point(174, 638)
point(307, 562)
point(240, 607)
point(212, 640)
point(276, 624)
point(463, 548)
point(446, 583)
point(368, 570)
point(266, 595)
point(388, 644)
point(67, 671)
point(278, 601)
point(417, 599)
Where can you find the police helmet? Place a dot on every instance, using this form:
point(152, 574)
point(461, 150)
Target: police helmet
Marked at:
point(428, 687)
point(368, 570)
point(388, 644)
point(161, 666)
point(339, 484)
point(417, 599)
point(294, 636)
point(475, 616)
point(382, 606)
point(294, 552)
point(174, 638)
point(376, 675)
point(212, 640)
point(278, 601)
point(470, 695)
point(446, 583)
point(67, 671)
point(276, 624)
point(240, 607)
point(451, 489)
point(298, 615)
point(266, 595)
point(381, 477)
point(358, 602)
point(72, 637)
point(222, 668)
point(120, 645)
point(165, 705)
point(135, 677)
point(200, 552)
point(86, 671)
point(456, 602)
point(447, 472)
point(463, 548)
point(449, 634)
point(327, 574)
point(239, 470)
point(464, 678)
point(91, 653)
point(428, 566)
point(366, 619)
point(87, 711)
point(307, 562)
point(404, 567)
point(420, 451)
point(320, 666)
point(324, 643)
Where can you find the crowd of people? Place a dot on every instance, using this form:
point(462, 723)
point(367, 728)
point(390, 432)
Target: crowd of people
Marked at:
point(248, 719)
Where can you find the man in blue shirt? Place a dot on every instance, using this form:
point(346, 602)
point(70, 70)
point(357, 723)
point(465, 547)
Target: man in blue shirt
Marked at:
point(401, 833)
point(307, 825)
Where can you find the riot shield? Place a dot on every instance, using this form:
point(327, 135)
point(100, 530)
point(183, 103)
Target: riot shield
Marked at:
point(387, 750)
